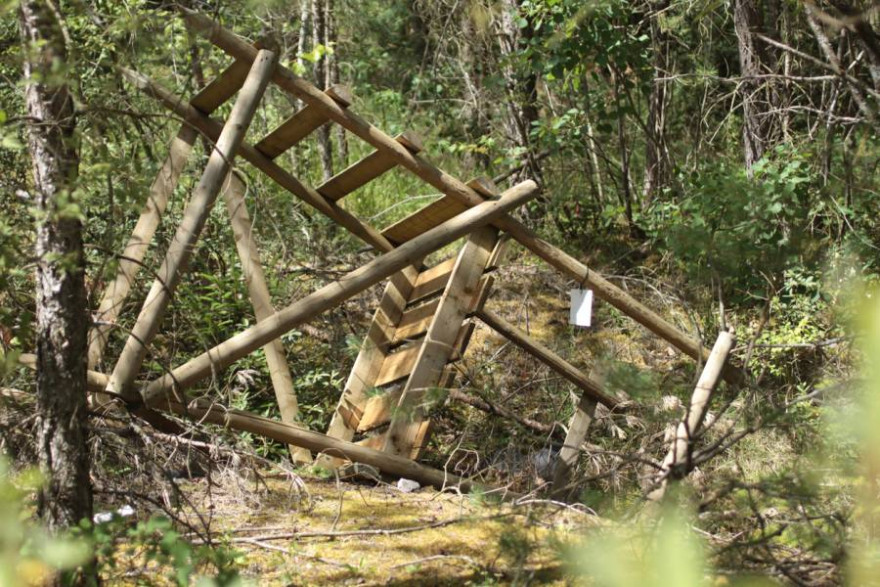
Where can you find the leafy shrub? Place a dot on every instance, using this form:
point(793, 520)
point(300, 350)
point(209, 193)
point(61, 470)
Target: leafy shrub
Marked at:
point(744, 231)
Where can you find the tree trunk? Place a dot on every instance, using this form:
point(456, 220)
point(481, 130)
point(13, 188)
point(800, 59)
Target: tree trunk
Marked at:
point(655, 146)
point(747, 20)
point(865, 35)
point(522, 91)
point(62, 318)
point(333, 79)
point(319, 37)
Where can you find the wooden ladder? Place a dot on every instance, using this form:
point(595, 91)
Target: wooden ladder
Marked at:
point(421, 327)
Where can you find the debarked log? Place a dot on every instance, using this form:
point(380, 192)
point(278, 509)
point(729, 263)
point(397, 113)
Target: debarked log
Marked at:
point(335, 293)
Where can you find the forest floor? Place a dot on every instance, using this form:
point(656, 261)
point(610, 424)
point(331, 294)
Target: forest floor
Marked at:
point(318, 531)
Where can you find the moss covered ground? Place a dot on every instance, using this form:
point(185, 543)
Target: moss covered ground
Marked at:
point(325, 531)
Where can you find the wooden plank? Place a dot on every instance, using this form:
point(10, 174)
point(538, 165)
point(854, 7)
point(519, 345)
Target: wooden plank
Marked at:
point(377, 412)
point(365, 170)
point(373, 351)
point(418, 222)
point(415, 322)
point(300, 125)
point(378, 409)
point(435, 213)
point(113, 298)
point(590, 386)
point(568, 454)
point(222, 87)
point(449, 185)
point(258, 291)
point(439, 343)
point(398, 365)
point(334, 293)
point(432, 281)
point(194, 217)
point(373, 442)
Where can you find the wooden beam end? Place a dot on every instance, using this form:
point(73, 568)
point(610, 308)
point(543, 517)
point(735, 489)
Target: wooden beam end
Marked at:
point(342, 94)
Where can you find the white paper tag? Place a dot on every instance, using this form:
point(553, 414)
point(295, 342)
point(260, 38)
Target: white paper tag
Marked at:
point(581, 307)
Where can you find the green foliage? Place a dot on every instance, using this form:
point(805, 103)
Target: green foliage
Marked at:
point(744, 232)
point(157, 541)
point(28, 553)
point(656, 552)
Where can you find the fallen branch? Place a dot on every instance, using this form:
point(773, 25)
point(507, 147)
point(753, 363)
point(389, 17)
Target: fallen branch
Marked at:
point(491, 408)
point(371, 532)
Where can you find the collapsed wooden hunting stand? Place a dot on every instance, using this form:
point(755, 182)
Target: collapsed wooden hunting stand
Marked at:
point(424, 319)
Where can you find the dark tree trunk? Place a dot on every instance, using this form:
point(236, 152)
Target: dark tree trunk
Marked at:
point(865, 35)
point(62, 319)
point(333, 78)
point(747, 21)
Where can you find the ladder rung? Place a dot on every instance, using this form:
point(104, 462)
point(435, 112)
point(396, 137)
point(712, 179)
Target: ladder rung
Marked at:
point(377, 411)
point(435, 213)
point(415, 322)
point(366, 170)
point(398, 365)
point(432, 280)
point(298, 126)
point(222, 87)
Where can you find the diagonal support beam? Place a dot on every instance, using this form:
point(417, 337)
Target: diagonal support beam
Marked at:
point(572, 268)
point(194, 217)
point(209, 99)
point(335, 293)
point(317, 442)
point(285, 433)
point(590, 386)
point(258, 291)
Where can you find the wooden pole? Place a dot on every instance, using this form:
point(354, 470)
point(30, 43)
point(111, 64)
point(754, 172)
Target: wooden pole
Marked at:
point(677, 463)
point(130, 261)
point(258, 291)
point(207, 100)
point(574, 269)
point(577, 433)
point(195, 215)
point(591, 388)
point(335, 293)
point(307, 439)
point(320, 443)
point(95, 382)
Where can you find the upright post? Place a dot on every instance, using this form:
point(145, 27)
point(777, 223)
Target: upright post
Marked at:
point(677, 463)
point(258, 291)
